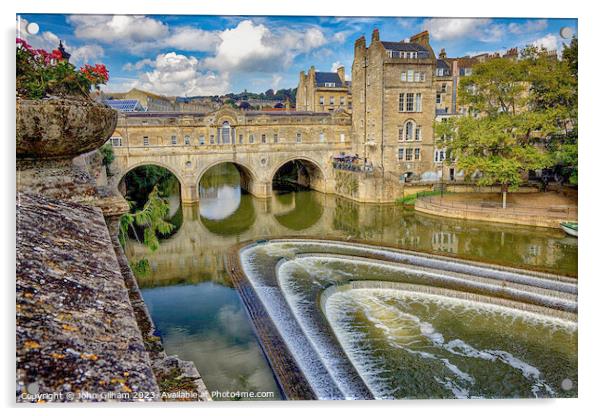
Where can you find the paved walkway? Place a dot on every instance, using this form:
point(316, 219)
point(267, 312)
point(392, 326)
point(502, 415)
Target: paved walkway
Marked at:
point(545, 209)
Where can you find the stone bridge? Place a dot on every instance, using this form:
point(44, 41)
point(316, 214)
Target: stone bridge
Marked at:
point(257, 143)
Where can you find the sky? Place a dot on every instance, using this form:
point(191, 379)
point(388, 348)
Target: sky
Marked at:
point(189, 55)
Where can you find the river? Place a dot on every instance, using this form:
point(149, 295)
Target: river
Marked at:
point(199, 314)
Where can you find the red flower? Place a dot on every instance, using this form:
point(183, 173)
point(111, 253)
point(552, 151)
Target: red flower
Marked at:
point(24, 44)
point(57, 55)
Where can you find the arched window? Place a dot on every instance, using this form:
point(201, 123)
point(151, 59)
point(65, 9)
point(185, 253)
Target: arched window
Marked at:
point(225, 133)
point(409, 130)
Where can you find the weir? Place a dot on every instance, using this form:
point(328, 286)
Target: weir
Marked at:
point(293, 279)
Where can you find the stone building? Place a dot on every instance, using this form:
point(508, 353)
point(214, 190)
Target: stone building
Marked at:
point(323, 91)
point(399, 90)
point(257, 142)
point(393, 111)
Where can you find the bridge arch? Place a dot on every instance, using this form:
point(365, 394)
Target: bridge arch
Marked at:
point(310, 173)
point(248, 178)
point(122, 173)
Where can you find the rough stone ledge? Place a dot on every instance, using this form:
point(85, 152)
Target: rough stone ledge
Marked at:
point(82, 325)
point(76, 330)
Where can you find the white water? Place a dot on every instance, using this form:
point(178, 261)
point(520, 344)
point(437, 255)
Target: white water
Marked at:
point(294, 309)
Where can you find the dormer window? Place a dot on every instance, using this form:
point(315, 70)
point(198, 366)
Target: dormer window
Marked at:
point(330, 84)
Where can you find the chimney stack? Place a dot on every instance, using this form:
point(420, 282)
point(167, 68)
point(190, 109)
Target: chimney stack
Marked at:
point(375, 35)
point(341, 73)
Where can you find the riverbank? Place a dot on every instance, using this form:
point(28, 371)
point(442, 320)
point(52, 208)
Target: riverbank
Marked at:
point(546, 209)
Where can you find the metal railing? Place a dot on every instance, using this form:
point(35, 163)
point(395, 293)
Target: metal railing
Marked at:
point(352, 167)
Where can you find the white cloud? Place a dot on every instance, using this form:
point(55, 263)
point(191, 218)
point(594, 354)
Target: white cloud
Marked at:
point(528, 26)
point(86, 54)
point(276, 80)
point(107, 28)
point(456, 28)
point(175, 74)
point(254, 47)
point(138, 65)
point(192, 39)
point(49, 41)
point(335, 65)
point(139, 34)
point(341, 37)
point(549, 41)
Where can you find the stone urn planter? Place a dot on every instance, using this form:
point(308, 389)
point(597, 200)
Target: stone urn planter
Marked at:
point(50, 134)
point(62, 128)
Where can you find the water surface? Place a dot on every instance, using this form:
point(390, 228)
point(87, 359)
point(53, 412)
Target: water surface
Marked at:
point(200, 315)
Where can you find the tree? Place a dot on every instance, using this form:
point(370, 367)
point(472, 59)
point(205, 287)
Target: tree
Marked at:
point(504, 135)
point(151, 218)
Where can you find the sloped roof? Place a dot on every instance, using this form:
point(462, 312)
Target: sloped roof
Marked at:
point(326, 77)
point(406, 47)
point(442, 64)
point(124, 105)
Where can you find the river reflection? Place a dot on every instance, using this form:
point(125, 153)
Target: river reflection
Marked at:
point(188, 268)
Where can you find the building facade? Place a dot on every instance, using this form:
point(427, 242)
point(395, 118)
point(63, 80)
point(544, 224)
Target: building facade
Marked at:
point(323, 91)
point(382, 121)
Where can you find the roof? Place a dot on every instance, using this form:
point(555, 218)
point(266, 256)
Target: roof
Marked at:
point(406, 47)
point(124, 105)
point(442, 64)
point(328, 77)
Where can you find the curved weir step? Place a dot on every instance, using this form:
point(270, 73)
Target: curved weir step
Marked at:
point(270, 269)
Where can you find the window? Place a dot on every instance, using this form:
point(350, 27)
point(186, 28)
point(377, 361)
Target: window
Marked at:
point(401, 102)
point(410, 75)
point(409, 154)
point(330, 84)
point(145, 141)
point(298, 137)
point(264, 138)
point(342, 101)
point(400, 153)
point(416, 154)
point(400, 136)
point(409, 130)
point(418, 132)
point(212, 139)
point(439, 155)
point(321, 100)
point(404, 78)
point(467, 71)
point(275, 138)
point(187, 140)
point(224, 133)
point(174, 140)
point(116, 141)
point(331, 100)
point(240, 139)
point(322, 137)
point(418, 106)
point(438, 99)
point(342, 137)
point(444, 87)
point(410, 102)
point(251, 139)
point(202, 139)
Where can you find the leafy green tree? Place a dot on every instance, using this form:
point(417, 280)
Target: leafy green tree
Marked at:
point(505, 133)
point(151, 218)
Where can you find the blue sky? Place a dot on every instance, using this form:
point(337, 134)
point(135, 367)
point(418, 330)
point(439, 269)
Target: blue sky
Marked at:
point(206, 55)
